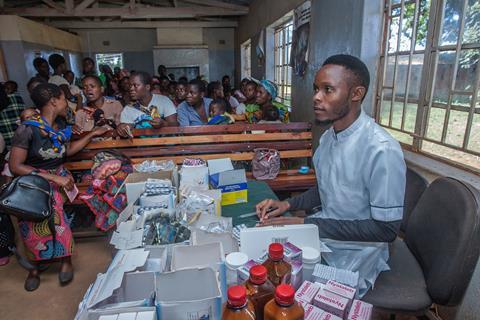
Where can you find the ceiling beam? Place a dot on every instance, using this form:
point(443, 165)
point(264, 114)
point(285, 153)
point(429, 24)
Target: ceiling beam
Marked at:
point(142, 24)
point(69, 5)
point(126, 13)
point(53, 4)
point(218, 4)
point(84, 4)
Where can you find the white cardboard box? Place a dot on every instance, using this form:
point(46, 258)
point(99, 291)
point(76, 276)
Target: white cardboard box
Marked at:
point(188, 294)
point(194, 177)
point(200, 237)
point(233, 183)
point(139, 313)
point(135, 182)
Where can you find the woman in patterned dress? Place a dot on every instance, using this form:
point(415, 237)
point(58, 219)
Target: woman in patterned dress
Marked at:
point(40, 147)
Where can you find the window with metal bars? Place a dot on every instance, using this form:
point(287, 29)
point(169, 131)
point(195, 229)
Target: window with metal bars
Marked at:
point(428, 89)
point(283, 70)
point(246, 55)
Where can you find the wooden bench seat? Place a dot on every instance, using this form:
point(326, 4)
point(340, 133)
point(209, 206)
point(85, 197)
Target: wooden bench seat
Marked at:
point(236, 141)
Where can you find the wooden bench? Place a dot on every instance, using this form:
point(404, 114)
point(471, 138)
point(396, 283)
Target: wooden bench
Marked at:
point(236, 141)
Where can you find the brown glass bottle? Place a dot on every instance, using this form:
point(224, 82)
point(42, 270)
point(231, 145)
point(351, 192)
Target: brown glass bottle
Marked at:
point(283, 306)
point(278, 270)
point(259, 289)
point(238, 307)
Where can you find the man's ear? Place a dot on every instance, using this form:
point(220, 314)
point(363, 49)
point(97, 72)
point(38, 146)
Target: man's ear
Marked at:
point(358, 93)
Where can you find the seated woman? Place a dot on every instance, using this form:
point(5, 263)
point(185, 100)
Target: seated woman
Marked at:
point(195, 109)
point(124, 91)
point(40, 147)
point(266, 94)
point(215, 91)
point(97, 107)
point(149, 110)
point(218, 113)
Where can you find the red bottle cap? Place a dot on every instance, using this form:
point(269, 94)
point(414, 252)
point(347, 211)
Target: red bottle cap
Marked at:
point(284, 295)
point(258, 274)
point(275, 251)
point(237, 296)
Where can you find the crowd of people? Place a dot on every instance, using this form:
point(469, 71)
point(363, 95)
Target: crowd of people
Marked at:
point(37, 139)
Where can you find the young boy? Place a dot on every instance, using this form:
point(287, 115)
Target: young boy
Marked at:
point(218, 114)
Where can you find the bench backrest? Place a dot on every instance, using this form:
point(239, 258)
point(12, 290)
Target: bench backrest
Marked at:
point(236, 141)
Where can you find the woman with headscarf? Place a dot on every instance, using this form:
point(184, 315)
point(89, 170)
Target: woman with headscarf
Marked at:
point(40, 146)
point(266, 94)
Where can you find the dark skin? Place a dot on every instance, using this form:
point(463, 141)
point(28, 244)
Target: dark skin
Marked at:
point(337, 100)
point(43, 69)
point(250, 93)
point(88, 67)
point(56, 107)
point(180, 92)
point(195, 99)
point(262, 96)
point(141, 92)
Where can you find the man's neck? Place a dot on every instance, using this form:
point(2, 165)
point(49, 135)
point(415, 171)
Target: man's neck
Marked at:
point(347, 121)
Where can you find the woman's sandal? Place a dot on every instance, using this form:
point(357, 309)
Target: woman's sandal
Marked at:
point(32, 283)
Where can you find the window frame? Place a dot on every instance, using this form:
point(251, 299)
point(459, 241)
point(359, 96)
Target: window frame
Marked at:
point(97, 63)
point(246, 59)
point(425, 103)
point(281, 62)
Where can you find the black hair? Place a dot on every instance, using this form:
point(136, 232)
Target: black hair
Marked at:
point(4, 100)
point(161, 67)
point(38, 61)
point(55, 60)
point(270, 113)
point(163, 78)
point(183, 79)
point(42, 94)
point(171, 76)
point(145, 77)
point(88, 59)
point(198, 83)
point(212, 86)
point(172, 83)
point(220, 102)
point(13, 83)
point(68, 72)
point(251, 83)
point(225, 77)
point(35, 79)
point(95, 78)
point(354, 65)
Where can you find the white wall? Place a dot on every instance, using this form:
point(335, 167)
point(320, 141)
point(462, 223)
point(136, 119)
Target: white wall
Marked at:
point(178, 57)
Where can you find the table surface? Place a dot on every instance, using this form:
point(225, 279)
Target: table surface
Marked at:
point(257, 191)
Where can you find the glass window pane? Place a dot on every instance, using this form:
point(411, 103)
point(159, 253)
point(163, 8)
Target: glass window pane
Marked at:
point(422, 25)
point(407, 27)
point(401, 76)
point(452, 154)
point(451, 21)
point(457, 123)
point(397, 114)
point(435, 123)
point(461, 100)
point(443, 80)
point(415, 76)
point(392, 41)
point(401, 137)
point(467, 68)
point(410, 117)
point(388, 82)
point(385, 107)
point(474, 141)
point(471, 31)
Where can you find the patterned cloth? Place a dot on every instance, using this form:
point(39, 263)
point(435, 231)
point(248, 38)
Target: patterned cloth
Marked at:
point(36, 235)
point(58, 137)
point(9, 117)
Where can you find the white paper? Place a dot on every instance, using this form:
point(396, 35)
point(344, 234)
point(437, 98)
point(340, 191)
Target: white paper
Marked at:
point(127, 236)
point(219, 165)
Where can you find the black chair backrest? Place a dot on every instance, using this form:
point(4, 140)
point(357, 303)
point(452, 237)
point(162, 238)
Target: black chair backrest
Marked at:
point(443, 233)
point(414, 188)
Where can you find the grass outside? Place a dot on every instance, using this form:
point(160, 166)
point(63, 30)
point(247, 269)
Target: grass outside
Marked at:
point(455, 133)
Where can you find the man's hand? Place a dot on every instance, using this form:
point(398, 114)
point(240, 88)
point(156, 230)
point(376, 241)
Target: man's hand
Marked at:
point(281, 221)
point(124, 130)
point(271, 208)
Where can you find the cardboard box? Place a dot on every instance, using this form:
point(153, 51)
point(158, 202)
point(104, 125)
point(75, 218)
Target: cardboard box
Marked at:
point(312, 312)
point(360, 311)
point(243, 273)
point(307, 291)
point(188, 294)
point(149, 313)
point(194, 177)
point(332, 303)
point(200, 237)
point(135, 182)
point(297, 274)
point(291, 252)
point(206, 255)
point(342, 290)
point(232, 183)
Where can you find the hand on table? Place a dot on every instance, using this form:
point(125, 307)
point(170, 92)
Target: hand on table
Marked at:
point(269, 208)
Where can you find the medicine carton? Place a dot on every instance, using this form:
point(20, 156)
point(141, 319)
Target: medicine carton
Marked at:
point(342, 290)
point(291, 252)
point(312, 312)
point(243, 273)
point(360, 311)
point(331, 302)
point(297, 274)
point(329, 316)
point(307, 292)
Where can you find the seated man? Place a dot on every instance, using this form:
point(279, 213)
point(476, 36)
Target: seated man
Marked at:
point(148, 110)
point(360, 174)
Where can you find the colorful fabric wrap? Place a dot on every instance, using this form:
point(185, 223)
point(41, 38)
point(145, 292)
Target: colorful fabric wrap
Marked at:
point(58, 138)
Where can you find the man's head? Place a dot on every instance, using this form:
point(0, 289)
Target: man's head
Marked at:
point(162, 70)
point(58, 64)
point(10, 87)
point(140, 85)
point(88, 65)
point(195, 92)
point(69, 76)
point(340, 87)
point(41, 65)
